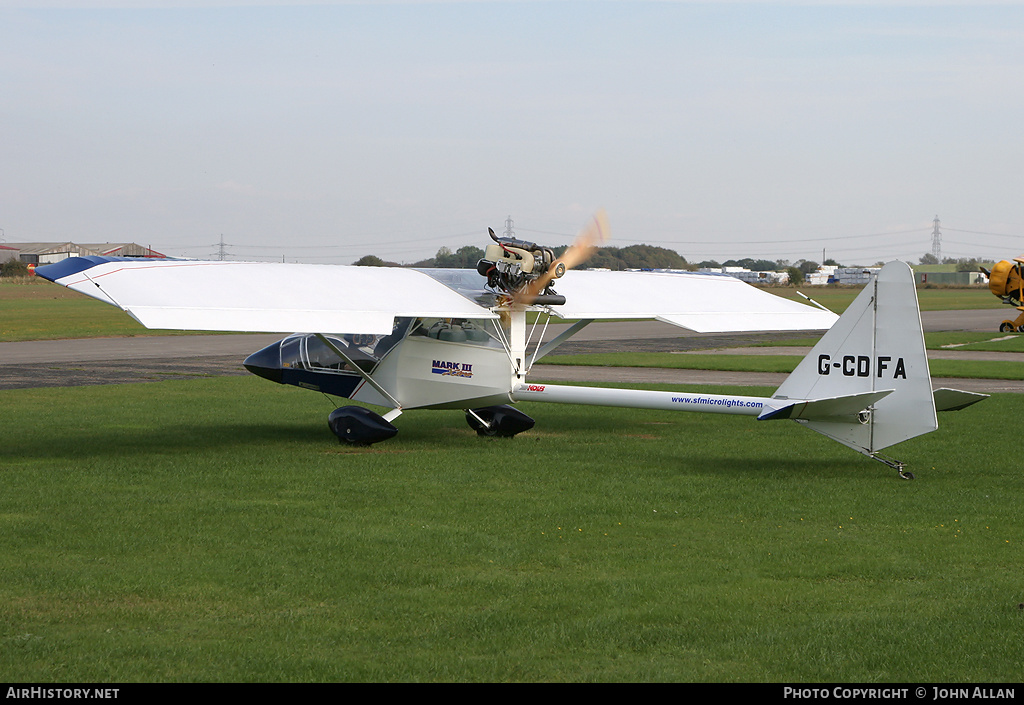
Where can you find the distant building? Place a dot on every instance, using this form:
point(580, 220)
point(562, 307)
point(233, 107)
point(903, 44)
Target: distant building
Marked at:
point(953, 278)
point(850, 276)
point(749, 276)
point(825, 274)
point(50, 252)
point(854, 276)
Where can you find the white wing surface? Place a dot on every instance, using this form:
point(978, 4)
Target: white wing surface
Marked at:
point(262, 296)
point(706, 303)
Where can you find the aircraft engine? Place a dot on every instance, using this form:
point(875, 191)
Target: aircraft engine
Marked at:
point(525, 271)
point(511, 265)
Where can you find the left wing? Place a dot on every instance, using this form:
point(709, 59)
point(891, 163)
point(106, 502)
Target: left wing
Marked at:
point(261, 296)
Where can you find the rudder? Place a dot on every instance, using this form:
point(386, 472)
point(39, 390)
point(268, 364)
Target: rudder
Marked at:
point(876, 345)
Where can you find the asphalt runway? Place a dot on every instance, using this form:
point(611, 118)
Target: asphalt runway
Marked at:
point(64, 363)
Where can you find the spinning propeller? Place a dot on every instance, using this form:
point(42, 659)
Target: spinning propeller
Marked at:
point(593, 234)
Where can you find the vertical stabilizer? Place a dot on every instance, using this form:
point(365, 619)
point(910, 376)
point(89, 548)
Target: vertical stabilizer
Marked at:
point(876, 345)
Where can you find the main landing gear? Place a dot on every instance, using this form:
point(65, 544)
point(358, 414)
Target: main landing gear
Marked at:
point(358, 426)
point(503, 421)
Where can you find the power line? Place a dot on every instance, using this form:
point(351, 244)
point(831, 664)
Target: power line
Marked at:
point(786, 242)
point(979, 232)
point(221, 251)
point(856, 245)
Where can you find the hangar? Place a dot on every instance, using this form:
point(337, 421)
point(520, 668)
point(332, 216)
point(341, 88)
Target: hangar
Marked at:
point(50, 252)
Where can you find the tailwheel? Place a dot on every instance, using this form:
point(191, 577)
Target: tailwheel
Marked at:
point(896, 465)
point(501, 421)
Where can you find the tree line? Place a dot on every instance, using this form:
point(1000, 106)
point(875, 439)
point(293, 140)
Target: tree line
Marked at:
point(616, 258)
point(963, 264)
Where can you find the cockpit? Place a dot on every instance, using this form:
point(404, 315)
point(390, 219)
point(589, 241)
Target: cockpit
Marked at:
point(306, 360)
point(307, 351)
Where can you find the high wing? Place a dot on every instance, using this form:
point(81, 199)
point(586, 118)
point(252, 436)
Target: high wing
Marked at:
point(262, 296)
point(279, 297)
point(706, 303)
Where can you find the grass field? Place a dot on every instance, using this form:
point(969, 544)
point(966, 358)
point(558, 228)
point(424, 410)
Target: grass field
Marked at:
point(35, 309)
point(769, 363)
point(939, 340)
point(213, 530)
point(930, 299)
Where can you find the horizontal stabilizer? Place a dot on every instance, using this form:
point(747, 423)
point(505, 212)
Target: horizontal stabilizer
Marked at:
point(878, 343)
point(843, 408)
point(955, 399)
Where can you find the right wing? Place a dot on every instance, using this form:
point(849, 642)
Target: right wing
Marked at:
point(706, 303)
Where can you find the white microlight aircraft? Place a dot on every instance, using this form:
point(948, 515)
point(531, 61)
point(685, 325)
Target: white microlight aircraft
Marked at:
point(460, 339)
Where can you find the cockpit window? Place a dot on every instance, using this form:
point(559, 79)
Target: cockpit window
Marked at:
point(457, 330)
point(320, 356)
point(307, 351)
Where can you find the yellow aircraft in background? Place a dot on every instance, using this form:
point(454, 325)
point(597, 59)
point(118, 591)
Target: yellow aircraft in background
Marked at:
point(1006, 280)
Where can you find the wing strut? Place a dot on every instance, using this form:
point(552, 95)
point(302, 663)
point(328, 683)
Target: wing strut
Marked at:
point(541, 351)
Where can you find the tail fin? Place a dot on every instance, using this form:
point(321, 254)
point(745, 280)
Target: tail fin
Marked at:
point(866, 384)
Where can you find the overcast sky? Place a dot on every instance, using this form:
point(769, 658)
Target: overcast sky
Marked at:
point(325, 131)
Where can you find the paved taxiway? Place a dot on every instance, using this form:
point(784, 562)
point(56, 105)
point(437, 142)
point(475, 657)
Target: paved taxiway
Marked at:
point(57, 363)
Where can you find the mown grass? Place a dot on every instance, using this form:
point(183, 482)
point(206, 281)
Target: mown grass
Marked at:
point(35, 309)
point(938, 340)
point(837, 298)
point(768, 363)
point(967, 341)
point(213, 530)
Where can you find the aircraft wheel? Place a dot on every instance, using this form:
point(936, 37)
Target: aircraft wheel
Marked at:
point(503, 421)
point(1020, 329)
point(358, 426)
point(1006, 327)
point(486, 415)
point(906, 475)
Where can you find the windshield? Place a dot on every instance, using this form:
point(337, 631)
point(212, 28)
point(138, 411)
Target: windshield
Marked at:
point(307, 351)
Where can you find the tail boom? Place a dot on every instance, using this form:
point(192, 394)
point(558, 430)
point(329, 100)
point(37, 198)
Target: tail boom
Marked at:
point(866, 384)
point(641, 399)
